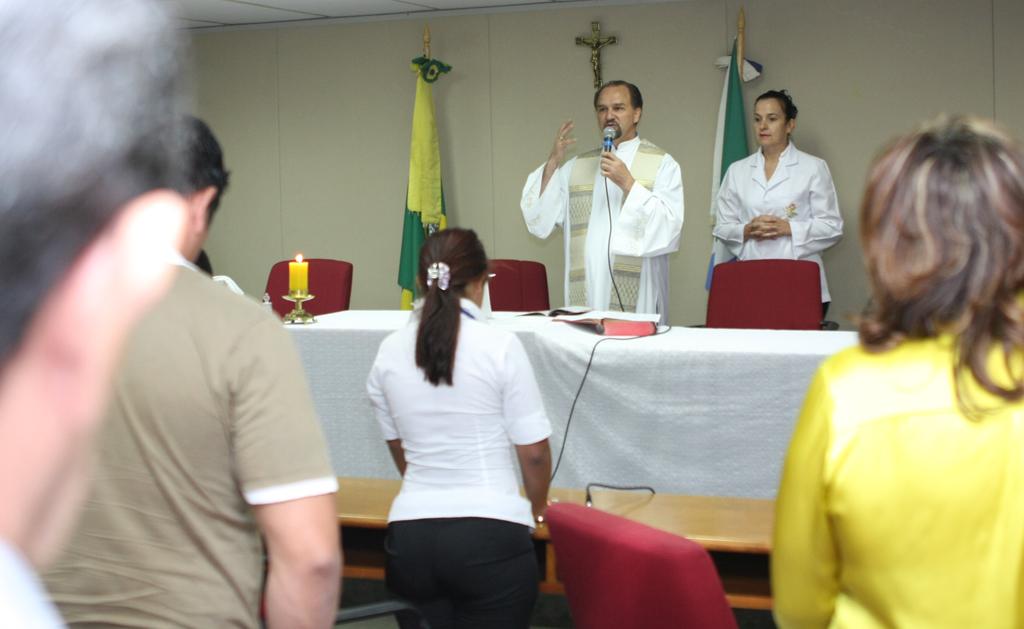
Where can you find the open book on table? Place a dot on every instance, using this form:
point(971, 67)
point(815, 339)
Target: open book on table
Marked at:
point(614, 323)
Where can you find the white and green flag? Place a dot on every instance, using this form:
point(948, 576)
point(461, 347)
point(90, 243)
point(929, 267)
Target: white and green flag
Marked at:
point(730, 142)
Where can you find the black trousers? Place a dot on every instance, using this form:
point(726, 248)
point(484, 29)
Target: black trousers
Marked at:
point(475, 573)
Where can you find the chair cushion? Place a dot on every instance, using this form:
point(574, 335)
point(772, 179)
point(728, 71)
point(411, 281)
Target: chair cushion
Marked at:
point(518, 285)
point(620, 573)
point(330, 281)
point(765, 294)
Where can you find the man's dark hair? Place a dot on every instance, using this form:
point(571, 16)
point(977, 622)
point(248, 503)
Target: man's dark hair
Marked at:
point(635, 98)
point(205, 163)
point(89, 116)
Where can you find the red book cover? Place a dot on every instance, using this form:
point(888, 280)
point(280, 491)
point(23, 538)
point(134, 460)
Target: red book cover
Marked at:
point(616, 327)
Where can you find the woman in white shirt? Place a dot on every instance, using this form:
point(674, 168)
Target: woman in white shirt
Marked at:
point(779, 202)
point(455, 398)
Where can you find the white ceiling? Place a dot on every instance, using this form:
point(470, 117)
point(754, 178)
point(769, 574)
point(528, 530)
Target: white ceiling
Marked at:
point(198, 14)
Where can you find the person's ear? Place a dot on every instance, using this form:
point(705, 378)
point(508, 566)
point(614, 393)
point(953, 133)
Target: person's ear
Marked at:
point(475, 289)
point(198, 207)
point(197, 216)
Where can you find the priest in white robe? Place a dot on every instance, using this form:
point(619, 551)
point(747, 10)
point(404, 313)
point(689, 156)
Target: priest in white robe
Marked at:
point(628, 200)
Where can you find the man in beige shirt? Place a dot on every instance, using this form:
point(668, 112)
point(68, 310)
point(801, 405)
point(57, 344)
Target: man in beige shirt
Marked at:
point(212, 441)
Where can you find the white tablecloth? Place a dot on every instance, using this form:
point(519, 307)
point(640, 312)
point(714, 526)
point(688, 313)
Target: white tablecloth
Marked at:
point(694, 411)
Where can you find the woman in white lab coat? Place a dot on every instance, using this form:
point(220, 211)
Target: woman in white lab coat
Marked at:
point(779, 202)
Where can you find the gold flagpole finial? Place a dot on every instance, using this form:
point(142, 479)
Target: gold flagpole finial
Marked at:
point(741, 27)
point(426, 41)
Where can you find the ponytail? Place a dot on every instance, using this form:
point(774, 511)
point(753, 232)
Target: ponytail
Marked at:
point(439, 326)
point(449, 260)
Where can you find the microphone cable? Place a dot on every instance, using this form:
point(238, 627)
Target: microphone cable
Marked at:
point(611, 273)
point(588, 498)
point(579, 389)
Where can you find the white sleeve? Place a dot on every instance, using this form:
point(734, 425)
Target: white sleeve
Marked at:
point(379, 399)
point(651, 221)
point(544, 212)
point(292, 491)
point(525, 420)
point(729, 213)
point(824, 228)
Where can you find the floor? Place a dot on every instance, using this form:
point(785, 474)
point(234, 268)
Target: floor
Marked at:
point(375, 623)
point(551, 612)
point(388, 623)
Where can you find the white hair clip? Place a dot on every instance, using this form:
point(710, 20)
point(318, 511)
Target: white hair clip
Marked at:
point(441, 272)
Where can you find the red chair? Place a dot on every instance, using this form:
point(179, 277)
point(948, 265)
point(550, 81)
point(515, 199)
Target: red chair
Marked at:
point(619, 573)
point(330, 281)
point(766, 295)
point(518, 285)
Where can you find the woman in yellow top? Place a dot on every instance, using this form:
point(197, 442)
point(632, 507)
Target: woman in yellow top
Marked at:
point(902, 497)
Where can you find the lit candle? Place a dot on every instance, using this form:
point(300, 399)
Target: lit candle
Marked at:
point(298, 276)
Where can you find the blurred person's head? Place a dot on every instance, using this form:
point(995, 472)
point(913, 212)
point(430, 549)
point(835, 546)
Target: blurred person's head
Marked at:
point(89, 116)
point(206, 179)
point(453, 265)
point(942, 225)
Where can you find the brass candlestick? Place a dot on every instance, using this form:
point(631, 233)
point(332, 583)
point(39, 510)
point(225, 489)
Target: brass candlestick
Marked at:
point(298, 315)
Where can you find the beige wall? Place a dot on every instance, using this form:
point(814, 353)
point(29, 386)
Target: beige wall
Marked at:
point(315, 120)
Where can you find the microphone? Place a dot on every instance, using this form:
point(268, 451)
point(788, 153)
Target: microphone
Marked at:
point(609, 133)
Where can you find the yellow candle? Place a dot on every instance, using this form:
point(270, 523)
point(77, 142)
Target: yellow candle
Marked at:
point(298, 276)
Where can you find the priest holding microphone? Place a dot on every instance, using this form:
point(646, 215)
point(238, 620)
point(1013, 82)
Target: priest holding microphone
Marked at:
point(619, 206)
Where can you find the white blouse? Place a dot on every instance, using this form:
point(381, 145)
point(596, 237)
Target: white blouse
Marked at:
point(800, 190)
point(458, 440)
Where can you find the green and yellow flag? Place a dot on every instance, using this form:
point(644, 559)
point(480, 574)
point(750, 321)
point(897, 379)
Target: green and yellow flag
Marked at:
point(424, 201)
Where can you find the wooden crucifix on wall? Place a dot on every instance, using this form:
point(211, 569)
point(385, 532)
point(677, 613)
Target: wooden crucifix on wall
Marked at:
point(596, 43)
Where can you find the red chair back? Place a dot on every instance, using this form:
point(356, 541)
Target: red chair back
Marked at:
point(518, 285)
point(330, 281)
point(619, 573)
point(766, 295)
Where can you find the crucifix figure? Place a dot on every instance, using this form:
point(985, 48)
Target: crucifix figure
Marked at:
point(596, 43)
